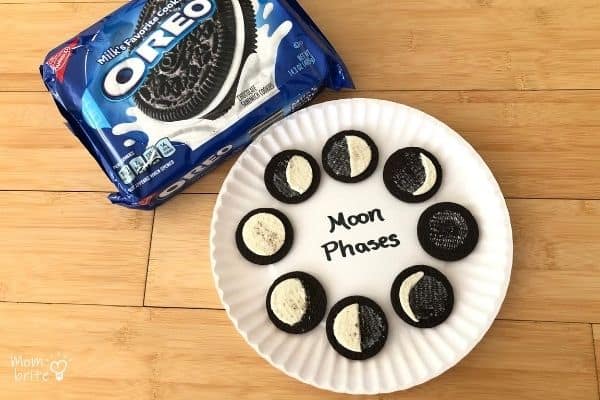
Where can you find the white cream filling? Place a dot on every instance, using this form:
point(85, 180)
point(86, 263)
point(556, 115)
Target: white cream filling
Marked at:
point(263, 234)
point(430, 176)
point(405, 289)
point(360, 155)
point(346, 328)
point(288, 301)
point(299, 174)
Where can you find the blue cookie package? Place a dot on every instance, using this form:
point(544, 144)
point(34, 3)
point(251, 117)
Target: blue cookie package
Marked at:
point(161, 91)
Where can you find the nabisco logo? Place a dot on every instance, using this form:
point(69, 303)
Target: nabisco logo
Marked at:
point(58, 61)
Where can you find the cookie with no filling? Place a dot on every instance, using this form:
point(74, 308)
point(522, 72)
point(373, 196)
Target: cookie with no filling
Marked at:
point(264, 236)
point(296, 302)
point(422, 296)
point(448, 231)
point(357, 328)
point(350, 156)
point(292, 176)
point(412, 174)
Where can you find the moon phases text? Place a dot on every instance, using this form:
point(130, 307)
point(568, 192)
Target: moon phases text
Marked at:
point(351, 249)
point(353, 220)
point(338, 247)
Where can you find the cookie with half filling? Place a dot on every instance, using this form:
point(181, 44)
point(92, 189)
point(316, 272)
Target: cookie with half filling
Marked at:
point(357, 327)
point(448, 231)
point(264, 236)
point(292, 176)
point(422, 296)
point(296, 302)
point(412, 174)
point(350, 156)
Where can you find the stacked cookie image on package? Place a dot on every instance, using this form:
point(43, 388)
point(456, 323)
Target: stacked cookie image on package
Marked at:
point(200, 75)
point(421, 295)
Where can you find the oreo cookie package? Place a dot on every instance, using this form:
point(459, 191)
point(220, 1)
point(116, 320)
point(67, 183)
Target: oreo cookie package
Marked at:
point(161, 91)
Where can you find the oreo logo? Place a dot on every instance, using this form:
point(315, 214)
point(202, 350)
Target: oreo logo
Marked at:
point(123, 78)
point(194, 174)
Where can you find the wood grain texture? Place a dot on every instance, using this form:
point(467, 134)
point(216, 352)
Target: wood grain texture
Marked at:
point(596, 334)
point(71, 247)
point(555, 273)
point(438, 44)
point(39, 152)
point(142, 353)
point(554, 270)
point(465, 44)
point(538, 144)
point(179, 272)
point(30, 31)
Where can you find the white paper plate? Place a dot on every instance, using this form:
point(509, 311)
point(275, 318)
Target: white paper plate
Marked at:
point(411, 356)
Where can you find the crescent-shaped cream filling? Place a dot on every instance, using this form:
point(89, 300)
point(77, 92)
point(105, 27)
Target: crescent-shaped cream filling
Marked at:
point(360, 155)
point(299, 174)
point(288, 301)
point(430, 176)
point(405, 289)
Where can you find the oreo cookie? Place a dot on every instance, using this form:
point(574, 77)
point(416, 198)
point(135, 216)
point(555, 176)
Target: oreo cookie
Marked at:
point(412, 174)
point(357, 327)
point(448, 231)
point(422, 296)
point(199, 76)
point(264, 236)
point(296, 302)
point(292, 176)
point(350, 156)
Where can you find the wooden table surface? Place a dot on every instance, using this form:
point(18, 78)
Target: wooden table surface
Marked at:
point(127, 297)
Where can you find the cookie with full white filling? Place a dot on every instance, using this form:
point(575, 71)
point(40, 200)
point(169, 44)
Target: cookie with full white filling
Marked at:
point(264, 236)
point(448, 231)
point(412, 174)
point(292, 176)
point(422, 296)
point(350, 156)
point(296, 302)
point(357, 328)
